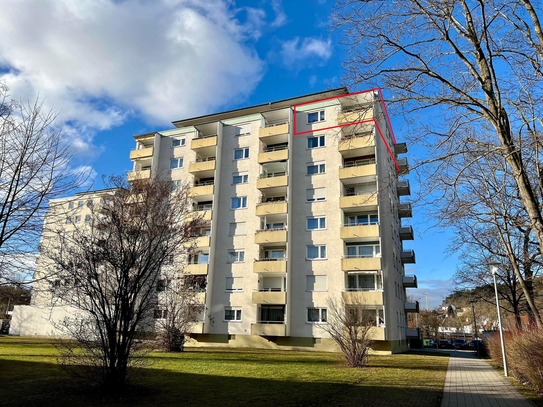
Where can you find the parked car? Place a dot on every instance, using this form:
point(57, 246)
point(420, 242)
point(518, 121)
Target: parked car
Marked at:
point(459, 344)
point(445, 344)
point(473, 344)
point(430, 343)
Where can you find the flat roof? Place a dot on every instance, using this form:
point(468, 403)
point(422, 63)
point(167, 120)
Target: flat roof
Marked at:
point(245, 111)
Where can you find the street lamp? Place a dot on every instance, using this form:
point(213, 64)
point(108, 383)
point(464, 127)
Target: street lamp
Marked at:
point(475, 336)
point(494, 270)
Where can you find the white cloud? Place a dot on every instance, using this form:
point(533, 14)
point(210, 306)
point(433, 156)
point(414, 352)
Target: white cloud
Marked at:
point(99, 61)
point(299, 53)
point(280, 16)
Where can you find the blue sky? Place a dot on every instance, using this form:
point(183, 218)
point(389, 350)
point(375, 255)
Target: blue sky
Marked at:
point(113, 69)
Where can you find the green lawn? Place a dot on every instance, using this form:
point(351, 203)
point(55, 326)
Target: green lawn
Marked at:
point(29, 375)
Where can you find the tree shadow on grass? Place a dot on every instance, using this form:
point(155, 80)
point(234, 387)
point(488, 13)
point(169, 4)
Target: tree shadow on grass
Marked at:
point(45, 384)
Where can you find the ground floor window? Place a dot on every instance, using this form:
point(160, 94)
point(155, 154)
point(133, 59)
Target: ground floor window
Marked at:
point(316, 315)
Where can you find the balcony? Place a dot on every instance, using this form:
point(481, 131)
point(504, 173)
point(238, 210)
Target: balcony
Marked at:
point(358, 201)
point(274, 130)
point(403, 165)
point(271, 208)
point(404, 210)
point(354, 116)
point(203, 241)
point(268, 329)
point(273, 180)
point(203, 142)
point(400, 148)
point(359, 232)
point(270, 266)
point(408, 256)
point(138, 175)
point(376, 333)
point(357, 145)
point(269, 236)
point(359, 171)
point(201, 215)
point(137, 154)
point(411, 307)
point(196, 269)
point(279, 154)
point(203, 168)
point(410, 281)
point(269, 297)
point(406, 233)
point(196, 328)
point(202, 191)
point(361, 263)
point(363, 297)
point(403, 188)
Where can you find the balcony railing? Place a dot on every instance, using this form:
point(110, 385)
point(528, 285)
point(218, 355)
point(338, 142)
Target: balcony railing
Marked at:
point(272, 175)
point(205, 159)
point(358, 163)
point(275, 148)
point(204, 183)
point(205, 207)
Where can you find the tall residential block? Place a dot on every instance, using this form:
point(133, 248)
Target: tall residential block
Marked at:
point(303, 200)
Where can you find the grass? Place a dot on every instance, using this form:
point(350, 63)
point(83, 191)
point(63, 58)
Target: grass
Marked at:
point(207, 377)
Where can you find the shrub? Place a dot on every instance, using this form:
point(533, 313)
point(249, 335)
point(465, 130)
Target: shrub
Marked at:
point(525, 356)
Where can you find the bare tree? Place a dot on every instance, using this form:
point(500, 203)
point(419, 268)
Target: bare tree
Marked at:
point(475, 67)
point(350, 325)
point(109, 268)
point(179, 308)
point(34, 167)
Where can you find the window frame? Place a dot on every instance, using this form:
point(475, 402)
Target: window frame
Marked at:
point(321, 222)
point(319, 166)
point(318, 199)
point(314, 277)
point(179, 163)
point(244, 178)
point(236, 256)
point(242, 202)
point(181, 142)
point(237, 316)
point(321, 252)
point(320, 116)
point(319, 139)
point(322, 315)
point(244, 153)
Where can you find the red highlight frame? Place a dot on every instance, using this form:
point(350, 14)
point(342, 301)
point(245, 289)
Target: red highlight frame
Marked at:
point(298, 133)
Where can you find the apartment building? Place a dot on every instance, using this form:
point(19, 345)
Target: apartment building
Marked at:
point(304, 200)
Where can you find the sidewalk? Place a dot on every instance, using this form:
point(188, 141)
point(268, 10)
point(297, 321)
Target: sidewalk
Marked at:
point(473, 382)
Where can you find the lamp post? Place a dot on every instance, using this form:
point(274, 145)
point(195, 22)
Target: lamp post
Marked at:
point(494, 270)
point(475, 336)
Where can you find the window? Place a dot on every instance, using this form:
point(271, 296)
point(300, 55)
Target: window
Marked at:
point(232, 314)
point(316, 315)
point(316, 168)
point(315, 141)
point(236, 256)
point(274, 225)
point(371, 249)
point(178, 142)
point(316, 283)
point(78, 219)
point(162, 284)
point(240, 178)
point(314, 117)
point(239, 202)
point(273, 314)
point(240, 153)
point(242, 129)
point(71, 205)
point(316, 223)
point(161, 313)
point(237, 228)
point(362, 219)
point(199, 258)
point(234, 283)
point(87, 218)
point(277, 254)
point(364, 282)
point(316, 194)
point(316, 252)
point(80, 204)
point(374, 317)
point(68, 219)
point(90, 202)
point(176, 163)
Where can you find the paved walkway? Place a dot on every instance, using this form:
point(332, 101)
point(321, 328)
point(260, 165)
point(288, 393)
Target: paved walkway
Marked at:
point(473, 382)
